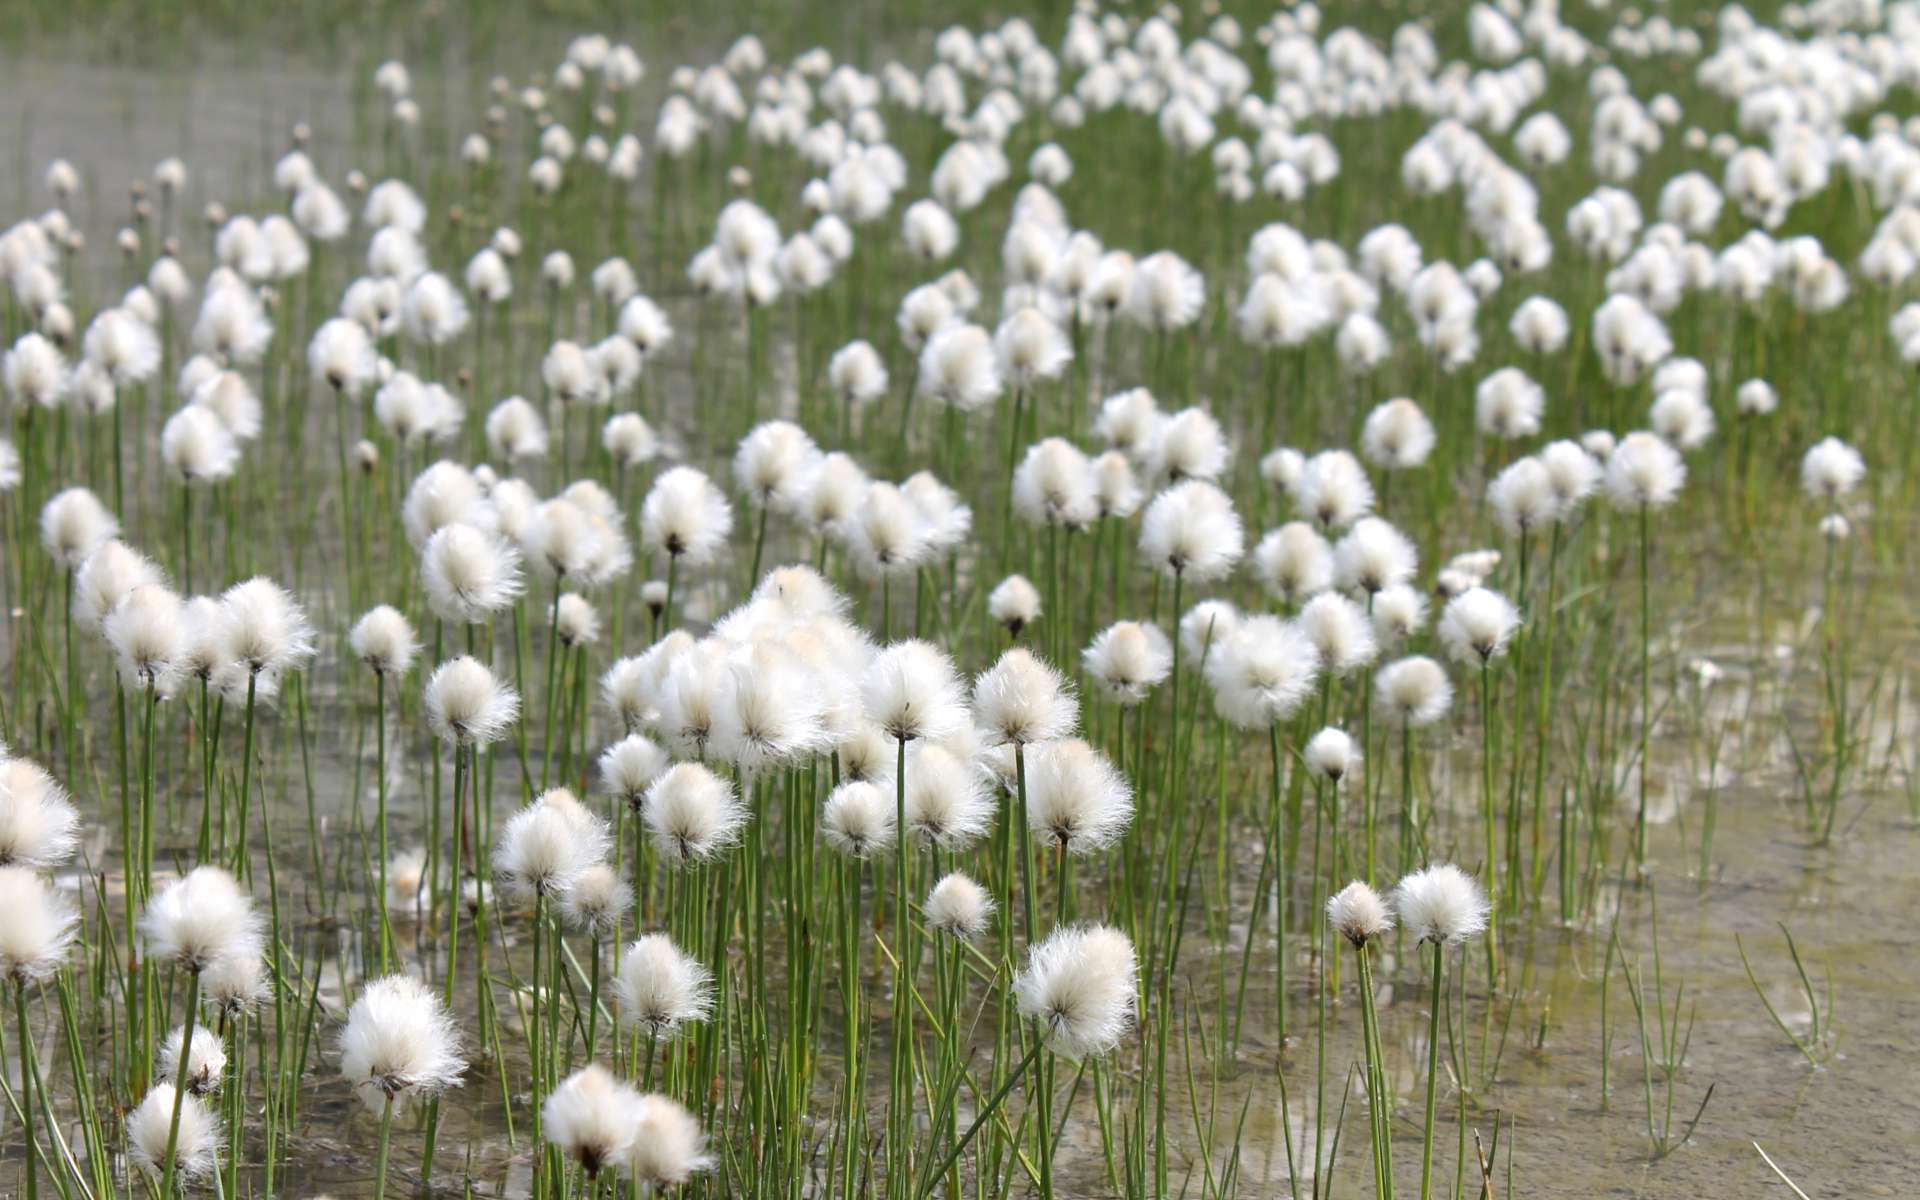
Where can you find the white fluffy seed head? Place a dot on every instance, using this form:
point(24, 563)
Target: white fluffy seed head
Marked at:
point(1523, 497)
point(146, 632)
point(400, 1044)
point(197, 447)
point(958, 368)
point(37, 926)
point(38, 823)
point(910, 690)
point(1054, 485)
point(469, 574)
point(1441, 904)
point(515, 431)
point(591, 1116)
point(1373, 556)
point(1573, 474)
point(1507, 404)
point(692, 814)
point(201, 918)
point(384, 640)
point(206, 1060)
point(1477, 625)
point(858, 819)
point(1022, 700)
point(629, 439)
point(1331, 752)
point(547, 846)
point(774, 465)
point(959, 907)
point(685, 516)
point(466, 705)
point(1831, 469)
point(1014, 603)
point(342, 357)
point(1205, 626)
point(1339, 631)
point(1332, 488)
point(1399, 612)
point(661, 989)
point(267, 630)
point(1076, 800)
point(947, 802)
point(73, 524)
point(629, 767)
point(1079, 985)
point(1415, 690)
point(196, 1144)
point(1397, 436)
point(1190, 531)
point(1128, 659)
point(1358, 914)
point(669, 1147)
point(1644, 471)
point(1262, 672)
point(598, 900)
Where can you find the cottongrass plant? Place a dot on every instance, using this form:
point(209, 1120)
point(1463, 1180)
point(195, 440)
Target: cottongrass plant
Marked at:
point(399, 1048)
point(35, 934)
point(1442, 906)
point(1358, 914)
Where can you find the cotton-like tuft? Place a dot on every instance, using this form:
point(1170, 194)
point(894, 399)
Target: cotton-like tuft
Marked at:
point(591, 1117)
point(1397, 436)
point(1332, 488)
point(466, 705)
point(1441, 904)
point(547, 846)
point(858, 819)
point(196, 1144)
point(201, 918)
point(38, 823)
point(1190, 531)
point(1128, 659)
point(1339, 631)
point(692, 814)
point(1022, 700)
point(1076, 799)
point(1831, 469)
point(685, 516)
point(205, 1064)
point(1079, 985)
point(73, 524)
point(1644, 471)
point(1522, 497)
point(959, 907)
point(400, 1045)
point(37, 926)
point(1262, 672)
point(1331, 752)
point(1373, 556)
point(469, 573)
point(1358, 914)
point(668, 1148)
point(661, 989)
point(1477, 626)
point(384, 640)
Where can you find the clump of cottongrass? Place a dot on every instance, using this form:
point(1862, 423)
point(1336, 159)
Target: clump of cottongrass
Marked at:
point(1190, 532)
point(1442, 906)
point(469, 573)
point(384, 640)
point(37, 927)
point(591, 1117)
point(1014, 603)
point(1332, 488)
point(399, 1048)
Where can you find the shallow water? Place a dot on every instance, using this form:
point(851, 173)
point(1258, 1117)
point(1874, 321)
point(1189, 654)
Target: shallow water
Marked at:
point(1847, 1124)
